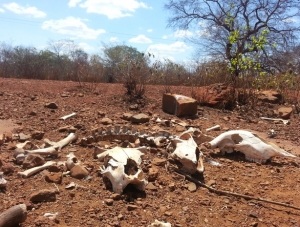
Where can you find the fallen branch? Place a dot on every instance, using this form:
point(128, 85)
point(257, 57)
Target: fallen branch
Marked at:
point(29, 172)
point(13, 216)
point(232, 193)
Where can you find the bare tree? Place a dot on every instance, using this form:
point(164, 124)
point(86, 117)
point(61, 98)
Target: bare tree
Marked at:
point(238, 30)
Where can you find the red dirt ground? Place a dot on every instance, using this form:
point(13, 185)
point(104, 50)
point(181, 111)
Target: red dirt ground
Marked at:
point(170, 199)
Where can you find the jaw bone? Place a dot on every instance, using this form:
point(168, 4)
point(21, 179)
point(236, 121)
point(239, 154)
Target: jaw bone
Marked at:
point(121, 167)
point(254, 147)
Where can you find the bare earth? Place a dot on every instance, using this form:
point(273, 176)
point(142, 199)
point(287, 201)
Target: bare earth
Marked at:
point(169, 199)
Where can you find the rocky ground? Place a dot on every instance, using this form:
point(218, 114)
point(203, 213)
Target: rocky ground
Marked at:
point(169, 196)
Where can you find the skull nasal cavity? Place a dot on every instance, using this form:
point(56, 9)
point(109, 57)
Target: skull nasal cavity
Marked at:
point(236, 138)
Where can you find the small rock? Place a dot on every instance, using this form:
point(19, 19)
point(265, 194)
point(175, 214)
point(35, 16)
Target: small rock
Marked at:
point(116, 196)
point(109, 202)
point(79, 172)
point(159, 161)
point(45, 195)
point(131, 207)
point(151, 187)
point(211, 182)
point(192, 187)
point(7, 168)
point(23, 137)
point(33, 160)
point(38, 135)
point(285, 112)
point(153, 174)
point(106, 121)
point(134, 107)
point(51, 105)
point(140, 118)
point(127, 116)
point(53, 177)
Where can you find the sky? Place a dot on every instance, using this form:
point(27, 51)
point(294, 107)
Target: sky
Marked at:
point(92, 23)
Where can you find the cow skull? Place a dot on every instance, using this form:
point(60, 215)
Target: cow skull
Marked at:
point(254, 147)
point(188, 154)
point(121, 167)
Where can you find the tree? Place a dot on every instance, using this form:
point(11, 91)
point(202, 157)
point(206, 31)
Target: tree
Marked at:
point(240, 31)
point(115, 57)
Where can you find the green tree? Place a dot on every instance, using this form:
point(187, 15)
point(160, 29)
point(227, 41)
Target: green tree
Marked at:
point(239, 31)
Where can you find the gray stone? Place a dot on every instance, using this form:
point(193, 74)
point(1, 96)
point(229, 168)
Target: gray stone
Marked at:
point(140, 118)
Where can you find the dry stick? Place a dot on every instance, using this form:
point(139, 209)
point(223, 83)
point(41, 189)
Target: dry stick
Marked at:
point(232, 193)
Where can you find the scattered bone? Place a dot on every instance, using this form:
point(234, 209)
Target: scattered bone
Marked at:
point(2, 181)
point(214, 128)
point(13, 216)
point(271, 133)
point(286, 122)
point(44, 151)
point(71, 161)
point(29, 172)
point(62, 143)
point(122, 167)
point(254, 147)
point(68, 116)
point(71, 186)
point(51, 216)
point(212, 162)
point(157, 223)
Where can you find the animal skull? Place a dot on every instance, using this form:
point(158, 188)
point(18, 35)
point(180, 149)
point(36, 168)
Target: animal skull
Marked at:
point(188, 154)
point(121, 167)
point(254, 147)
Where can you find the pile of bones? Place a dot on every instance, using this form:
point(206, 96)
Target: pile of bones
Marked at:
point(122, 164)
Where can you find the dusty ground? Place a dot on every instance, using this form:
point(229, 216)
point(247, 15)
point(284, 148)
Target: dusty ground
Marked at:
point(22, 109)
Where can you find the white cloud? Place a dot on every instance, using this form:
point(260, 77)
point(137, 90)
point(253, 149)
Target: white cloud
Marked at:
point(113, 8)
point(86, 47)
point(163, 51)
point(72, 26)
point(1, 10)
point(140, 39)
point(73, 3)
point(183, 34)
point(113, 40)
point(150, 30)
point(165, 37)
point(27, 10)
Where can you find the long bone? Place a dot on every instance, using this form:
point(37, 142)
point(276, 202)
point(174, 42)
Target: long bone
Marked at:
point(55, 146)
point(29, 172)
point(254, 147)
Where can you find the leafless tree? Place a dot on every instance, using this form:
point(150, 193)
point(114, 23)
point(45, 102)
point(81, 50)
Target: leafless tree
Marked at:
point(215, 21)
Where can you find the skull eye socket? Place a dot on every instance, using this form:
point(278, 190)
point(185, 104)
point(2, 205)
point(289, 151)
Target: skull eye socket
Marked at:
point(131, 167)
point(236, 138)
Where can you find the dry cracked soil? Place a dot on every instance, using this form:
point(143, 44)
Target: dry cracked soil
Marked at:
point(169, 196)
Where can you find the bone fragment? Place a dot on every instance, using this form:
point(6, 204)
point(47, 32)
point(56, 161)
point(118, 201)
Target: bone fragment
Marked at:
point(71, 161)
point(29, 172)
point(62, 143)
point(51, 216)
point(255, 148)
point(286, 122)
point(68, 116)
point(157, 223)
point(216, 127)
point(13, 216)
point(2, 181)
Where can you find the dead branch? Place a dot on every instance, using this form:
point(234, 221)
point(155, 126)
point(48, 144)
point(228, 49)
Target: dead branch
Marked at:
point(221, 192)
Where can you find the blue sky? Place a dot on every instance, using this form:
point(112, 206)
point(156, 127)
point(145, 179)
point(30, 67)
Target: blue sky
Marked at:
point(90, 23)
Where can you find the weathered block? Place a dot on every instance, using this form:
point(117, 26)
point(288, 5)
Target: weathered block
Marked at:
point(179, 105)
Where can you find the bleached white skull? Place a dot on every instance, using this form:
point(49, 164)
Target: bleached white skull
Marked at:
point(255, 148)
point(188, 154)
point(122, 167)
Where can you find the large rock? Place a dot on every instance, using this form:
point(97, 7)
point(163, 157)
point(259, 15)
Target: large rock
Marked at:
point(44, 195)
point(284, 112)
point(215, 95)
point(140, 118)
point(179, 105)
point(270, 96)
